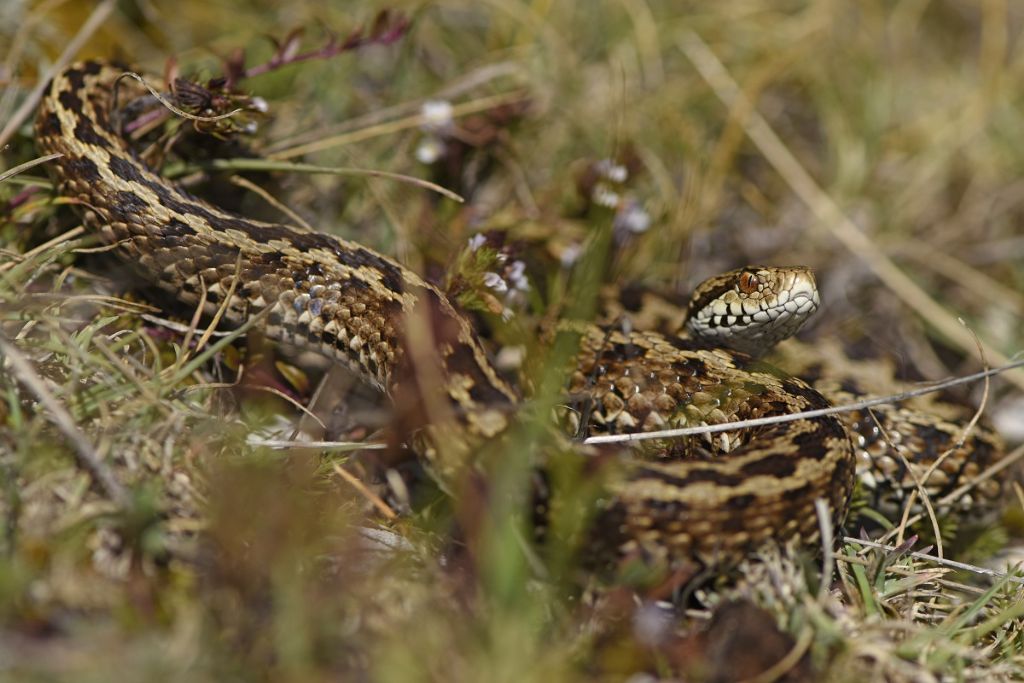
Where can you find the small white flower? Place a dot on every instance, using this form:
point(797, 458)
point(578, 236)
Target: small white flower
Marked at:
point(259, 104)
point(429, 150)
point(477, 241)
point(652, 623)
point(510, 357)
point(437, 115)
point(632, 218)
point(495, 282)
point(517, 276)
point(604, 196)
point(614, 172)
point(570, 255)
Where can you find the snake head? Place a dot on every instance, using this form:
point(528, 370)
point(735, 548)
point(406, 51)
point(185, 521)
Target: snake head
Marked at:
point(753, 308)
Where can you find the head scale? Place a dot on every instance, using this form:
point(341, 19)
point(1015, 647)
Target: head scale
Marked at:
point(751, 309)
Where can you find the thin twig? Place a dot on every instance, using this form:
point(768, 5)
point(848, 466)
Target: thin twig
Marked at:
point(712, 429)
point(386, 28)
point(937, 560)
point(170, 105)
point(775, 419)
point(335, 446)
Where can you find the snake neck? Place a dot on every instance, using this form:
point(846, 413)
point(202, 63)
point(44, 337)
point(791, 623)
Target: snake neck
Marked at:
point(395, 330)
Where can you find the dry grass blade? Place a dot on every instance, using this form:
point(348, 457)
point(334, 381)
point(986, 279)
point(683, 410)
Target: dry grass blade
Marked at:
point(288, 399)
point(392, 127)
point(290, 167)
point(247, 184)
point(20, 168)
point(359, 486)
point(45, 246)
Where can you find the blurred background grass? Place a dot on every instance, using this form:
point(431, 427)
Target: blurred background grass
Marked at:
point(906, 115)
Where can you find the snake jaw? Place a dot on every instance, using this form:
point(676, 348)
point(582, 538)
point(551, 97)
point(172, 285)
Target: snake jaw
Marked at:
point(752, 309)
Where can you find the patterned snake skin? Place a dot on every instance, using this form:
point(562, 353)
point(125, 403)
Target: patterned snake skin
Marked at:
point(709, 501)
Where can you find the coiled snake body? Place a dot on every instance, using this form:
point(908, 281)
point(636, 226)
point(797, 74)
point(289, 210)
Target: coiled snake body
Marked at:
point(352, 304)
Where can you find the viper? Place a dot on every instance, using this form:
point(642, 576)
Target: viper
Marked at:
point(710, 500)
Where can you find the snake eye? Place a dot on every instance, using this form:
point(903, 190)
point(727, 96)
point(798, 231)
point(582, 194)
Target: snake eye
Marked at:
point(748, 283)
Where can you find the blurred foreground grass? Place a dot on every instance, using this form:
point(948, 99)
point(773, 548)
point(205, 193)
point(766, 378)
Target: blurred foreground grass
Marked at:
point(232, 561)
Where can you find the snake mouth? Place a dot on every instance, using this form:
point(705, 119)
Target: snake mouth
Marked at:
point(754, 308)
point(801, 303)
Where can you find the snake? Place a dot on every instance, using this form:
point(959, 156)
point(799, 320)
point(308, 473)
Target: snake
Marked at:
point(711, 500)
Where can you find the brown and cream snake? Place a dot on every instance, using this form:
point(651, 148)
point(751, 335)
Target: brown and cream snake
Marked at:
point(710, 502)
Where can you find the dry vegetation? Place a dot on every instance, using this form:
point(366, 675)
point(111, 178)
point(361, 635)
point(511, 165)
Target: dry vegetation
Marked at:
point(147, 534)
